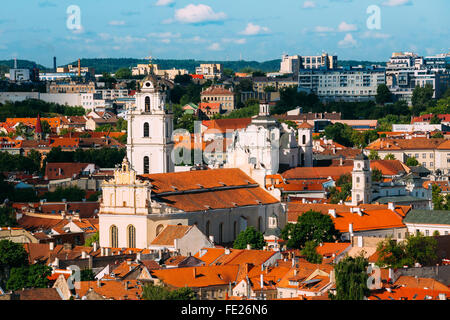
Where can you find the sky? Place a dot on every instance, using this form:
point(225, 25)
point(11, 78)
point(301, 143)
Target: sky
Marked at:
point(257, 30)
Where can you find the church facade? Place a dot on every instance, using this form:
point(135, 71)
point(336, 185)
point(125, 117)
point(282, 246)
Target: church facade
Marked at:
point(221, 203)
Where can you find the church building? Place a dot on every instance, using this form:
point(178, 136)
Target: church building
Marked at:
point(221, 203)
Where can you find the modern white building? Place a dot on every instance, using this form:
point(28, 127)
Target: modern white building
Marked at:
point(344, 84)
point(290, 64)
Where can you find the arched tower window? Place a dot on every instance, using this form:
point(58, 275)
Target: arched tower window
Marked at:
point(304, 139)
point(146, 130)
point(131, 236)
point(147, 104)
point(159, 228)
point(114, 237)
point(146, 165)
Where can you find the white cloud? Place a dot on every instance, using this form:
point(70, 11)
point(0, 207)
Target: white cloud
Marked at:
point(375, 35)
point(347, 42)
point(164, 2)
point(165, 40)
point(253, 29)
point(117, 23)
point(165, 35)
point(346, 27)
point(236, 41)
point(395, 3)
point(215, 47)
point(128, 39)
point(309, 4)
point(198, 13)
point(323, 29)
point(104, 36)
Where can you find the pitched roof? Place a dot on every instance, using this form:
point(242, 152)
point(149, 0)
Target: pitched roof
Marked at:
point(195, 277)
point(39, 294)
point(436, 217)
point(374, 216)
point(111, 289)
point(222, 256)
point(63, 170)
point(407, 144)
point(406, 293)
point(421, 283)
point(216, 90)
point(223, 125)
point(169, 234)
point(317, 172)
point(202, 189)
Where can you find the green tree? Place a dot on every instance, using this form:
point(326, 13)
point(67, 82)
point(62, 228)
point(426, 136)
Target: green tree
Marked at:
point(435, 119)
point(87, 275)
point(437, 135)
point(33, 276)
point(7, 217)
point(156, 292)
point(437, 198)
point(416, 249)
point(422, 98)
point(344, 183)
point(70, 194)
point(412, 162)
point(340, 133)
point(389, 156)
point(310, 251)
point(249, 236)
point(384, 95)
point(123, 73)
point(310, 226)
point(373, 155)
point(351, 279)
point(12, 255)
point(90, 241)
point(377, 175)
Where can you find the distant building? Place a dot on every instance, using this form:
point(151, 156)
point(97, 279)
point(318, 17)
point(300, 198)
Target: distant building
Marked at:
point(218, 94)
point(344, 84)
point(407, 70)
point(323, 61)
point(290, 64)
point(210, 70)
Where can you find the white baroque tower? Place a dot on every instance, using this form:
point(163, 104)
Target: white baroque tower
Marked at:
point(305, 144)
point(361, 180)
point(150, 127)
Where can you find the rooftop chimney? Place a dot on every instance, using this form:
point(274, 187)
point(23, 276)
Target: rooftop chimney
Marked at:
point(195, 272)
point(227, 251)
point(391, 206)
point(262, 281)
point(79, 67)
point(83, 255)
point(350, 228)
point(332, 212)
point(51, 246)
point(95, 246)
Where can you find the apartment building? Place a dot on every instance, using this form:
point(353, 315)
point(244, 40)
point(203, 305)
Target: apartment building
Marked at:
point(209, 70)
point(290, 64)
point(344, 84)
point(71, 87)
point(145, 69)
point(261, 83)
point(218, 94)
point(433, 154)
point(407, 70)
point(317, 62)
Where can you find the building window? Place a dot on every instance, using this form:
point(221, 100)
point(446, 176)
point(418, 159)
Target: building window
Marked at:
point(114, 241)
point(427, 233)
point(147, 104)
point(159, 229)
point(131, 230)
point(207, 229)
point(146, 130)
point(221, 233)
point(260, 224)
point(146, 165)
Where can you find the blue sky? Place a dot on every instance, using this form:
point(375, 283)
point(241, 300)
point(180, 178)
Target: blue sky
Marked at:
point(221, 29)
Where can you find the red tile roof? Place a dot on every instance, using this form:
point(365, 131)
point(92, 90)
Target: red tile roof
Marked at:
point(169, 234)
